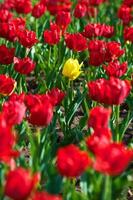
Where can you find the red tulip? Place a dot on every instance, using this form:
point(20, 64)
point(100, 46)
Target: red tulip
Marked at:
point(80, 10)
point(92, 11)
point(55, 96)
point(71, 161)
point(52, 36)
point(95, 30)
point(27, 38)
point(24, 65)
point(10, 30)
point(17, 97)
point(101, 51)
point(46, 196)
point(112, 92)
point(113, 159)
point(76, 42)
point(97, 122)
point(23, 6)
point(116, 69)
point(14, 112)
point(95, 2)
point(8, 4)
point(128, 34)
point(125, 14)
point(19, 184)
point(97, 50)
point(63, 19)
point(128, 2)
point(19, 23)
point(38, 10)
point(6, 55)
point(99, 139)
point(7, 142)
point(7, 85)
point(41, 114)
point(5, 15)
point(58, 5)
point(113, 51)
point(32, 100)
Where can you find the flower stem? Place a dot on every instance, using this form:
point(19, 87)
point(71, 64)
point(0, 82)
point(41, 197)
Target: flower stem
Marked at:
point(107, 193)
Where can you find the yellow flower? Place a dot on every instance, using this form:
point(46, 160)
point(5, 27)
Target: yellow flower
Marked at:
point(71, 69)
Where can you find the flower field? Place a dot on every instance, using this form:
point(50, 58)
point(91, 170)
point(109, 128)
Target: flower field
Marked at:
point(66, 100)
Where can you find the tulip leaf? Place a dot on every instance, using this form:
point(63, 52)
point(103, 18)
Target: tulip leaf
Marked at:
point(74, 107)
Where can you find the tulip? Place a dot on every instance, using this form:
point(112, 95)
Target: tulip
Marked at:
point(52, 36)
point(97, 122)
point(24, 65)
point(71, 161)
point(14, 112)
point(23, 6)
point(76, 42)
point(7, 85)
point(27, 38)
point(71, 69)
point(46, 196)
point(38, 10)
point(20, 183)
point(112, 159)
point(112, 92)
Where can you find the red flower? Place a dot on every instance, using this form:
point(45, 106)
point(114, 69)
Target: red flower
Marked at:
point(95, 30)
point(128, 34)
point(125, 14)
point(32, 100)
point(24, 65)
point(7, 142)
point(97, 122)
point(6, 55)
point(23, 6)
point(17, 97)
point(52, 36)
point(58, 5)
point(92, 11)
point(10, 30)
point(128, 2)
point(7, 85)
point(5, 15)
point(71, 161)
point(95, 2)
point(86, 2)
point(76, 42)
point(41, 114)
point(46, 196)
point(116, 69)
point(55, 96)
point(19, 184)
point(99, 139)
point(38, 10)
point(97, 50)
point(8, 4)
point(113, 159)
point(80, 10)
point(113, 51)
point(19, 23)
point(112, 92)
point(14, 112)
point(63, 19)
point(27, 38)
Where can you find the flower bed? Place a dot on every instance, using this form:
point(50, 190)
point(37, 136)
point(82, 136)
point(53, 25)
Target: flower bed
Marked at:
point(66, 99)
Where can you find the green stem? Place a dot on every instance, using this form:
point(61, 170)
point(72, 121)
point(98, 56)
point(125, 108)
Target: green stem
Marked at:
point(107, 193)
point(117, 123)
point(49, 58)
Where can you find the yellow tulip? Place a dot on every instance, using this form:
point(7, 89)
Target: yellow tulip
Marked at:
point(71, 69)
